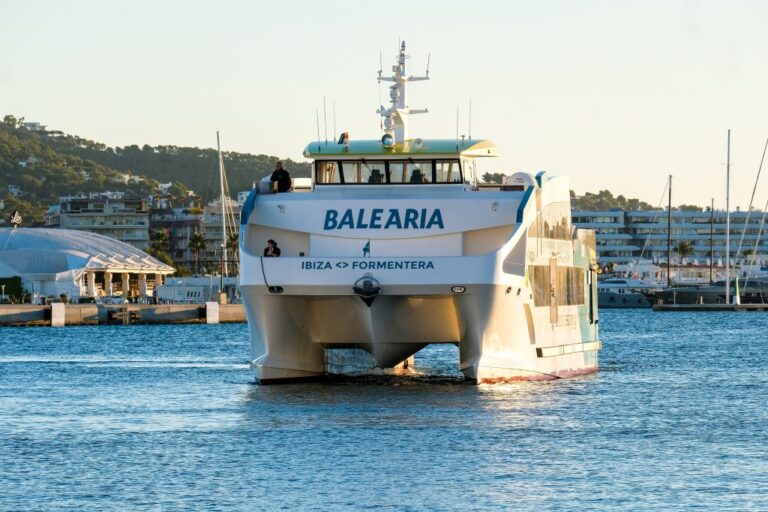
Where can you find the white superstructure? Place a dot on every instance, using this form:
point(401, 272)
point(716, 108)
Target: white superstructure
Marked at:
point(394, 247)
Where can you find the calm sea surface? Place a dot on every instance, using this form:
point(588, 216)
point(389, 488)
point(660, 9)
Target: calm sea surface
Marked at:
point(168, 418)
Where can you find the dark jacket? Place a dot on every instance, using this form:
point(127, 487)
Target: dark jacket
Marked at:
point(275, 252)
point(283, 180)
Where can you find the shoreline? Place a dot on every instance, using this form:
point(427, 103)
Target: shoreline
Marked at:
point(60, 314)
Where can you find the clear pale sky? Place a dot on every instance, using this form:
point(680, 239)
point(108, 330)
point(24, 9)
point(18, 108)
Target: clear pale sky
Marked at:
point(614, 94)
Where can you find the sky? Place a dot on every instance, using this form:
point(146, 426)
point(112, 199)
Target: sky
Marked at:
point(614, 94)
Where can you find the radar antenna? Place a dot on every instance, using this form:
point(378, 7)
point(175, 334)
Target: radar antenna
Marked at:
point(396, 116)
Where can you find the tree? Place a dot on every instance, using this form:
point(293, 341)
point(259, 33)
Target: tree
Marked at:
point(604, 200)
point(684, 248)
point(159, 240)
point(196, 245)
point(160, 256)
point(233, 244)
point(495, 177)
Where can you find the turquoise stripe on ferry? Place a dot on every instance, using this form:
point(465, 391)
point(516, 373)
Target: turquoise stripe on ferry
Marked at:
point(248, 206)
point(521, 208)
point(540, 177)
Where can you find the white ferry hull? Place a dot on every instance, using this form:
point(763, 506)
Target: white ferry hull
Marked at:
point(392, 246)
point(501, 334)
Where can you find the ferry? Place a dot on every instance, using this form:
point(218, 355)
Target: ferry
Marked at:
point(393, 245)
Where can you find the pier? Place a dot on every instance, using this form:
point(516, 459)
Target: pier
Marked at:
point(60, 314)
point(710, 307)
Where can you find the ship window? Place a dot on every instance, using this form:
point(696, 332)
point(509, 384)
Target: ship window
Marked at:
point(418, 171)
point(375, 172)
point(396, 172)
point(327, 172)
point(568, 286)
point(372, 172)
point(447, 171)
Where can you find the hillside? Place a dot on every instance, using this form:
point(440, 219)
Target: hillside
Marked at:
point(42, 166)
point(196, 168)
point(33, 174)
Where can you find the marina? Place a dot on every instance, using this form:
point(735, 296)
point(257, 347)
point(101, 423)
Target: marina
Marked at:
point(267, 256)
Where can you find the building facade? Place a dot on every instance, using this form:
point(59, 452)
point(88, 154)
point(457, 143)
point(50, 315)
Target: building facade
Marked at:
point(627, 237)
point(126, 220)
point(212, 229)
point(161, 226)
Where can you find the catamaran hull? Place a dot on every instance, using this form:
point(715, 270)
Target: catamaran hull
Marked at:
point(493, 326)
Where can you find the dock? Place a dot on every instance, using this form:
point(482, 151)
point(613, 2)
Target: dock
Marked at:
point(710, 307)
point(60, 314)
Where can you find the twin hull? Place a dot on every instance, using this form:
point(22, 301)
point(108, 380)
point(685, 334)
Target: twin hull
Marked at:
point(500, 274)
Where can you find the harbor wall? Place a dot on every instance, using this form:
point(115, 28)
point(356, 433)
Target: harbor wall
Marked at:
point(100, 314)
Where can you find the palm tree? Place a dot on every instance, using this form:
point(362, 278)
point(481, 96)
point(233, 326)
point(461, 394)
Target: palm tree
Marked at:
point(159, 240)
point(233, 240)
point(684, 248)
point(196, 245)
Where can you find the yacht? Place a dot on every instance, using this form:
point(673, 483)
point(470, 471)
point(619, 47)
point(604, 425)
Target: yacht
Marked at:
point(393, 246)
point(620, 292)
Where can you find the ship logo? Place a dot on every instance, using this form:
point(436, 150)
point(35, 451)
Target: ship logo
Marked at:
point(15, 218)
point(367, 249)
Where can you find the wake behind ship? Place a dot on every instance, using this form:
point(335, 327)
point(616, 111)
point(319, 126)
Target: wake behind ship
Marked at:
point(394, 247)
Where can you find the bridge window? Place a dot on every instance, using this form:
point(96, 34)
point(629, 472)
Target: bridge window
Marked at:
point(381, 172)
point(327, 172)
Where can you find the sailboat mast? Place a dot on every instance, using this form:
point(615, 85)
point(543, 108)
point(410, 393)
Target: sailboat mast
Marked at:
point(728, 221)
point(711, 237)
point(223, 212)
point(669, 234)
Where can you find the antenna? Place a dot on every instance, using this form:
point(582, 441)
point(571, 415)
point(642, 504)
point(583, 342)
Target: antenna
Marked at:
point(457, 124)
point(325, 122)
point(470, 119)
point(334, 118)
point(381, 68)
point(429, 56)
point(317, 118)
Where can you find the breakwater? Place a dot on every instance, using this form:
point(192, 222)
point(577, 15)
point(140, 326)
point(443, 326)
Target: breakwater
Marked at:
point(59, 315)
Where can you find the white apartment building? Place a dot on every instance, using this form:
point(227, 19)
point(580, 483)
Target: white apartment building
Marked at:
point(626, 237)
point(124, 219)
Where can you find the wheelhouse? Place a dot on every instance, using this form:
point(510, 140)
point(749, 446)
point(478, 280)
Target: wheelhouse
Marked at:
point(415, 162)
point(412, 171)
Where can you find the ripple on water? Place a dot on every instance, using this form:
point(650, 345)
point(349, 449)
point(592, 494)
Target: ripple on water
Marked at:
point(168, 417)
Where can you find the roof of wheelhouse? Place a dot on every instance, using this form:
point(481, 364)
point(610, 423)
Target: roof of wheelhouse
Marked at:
point(409, 148)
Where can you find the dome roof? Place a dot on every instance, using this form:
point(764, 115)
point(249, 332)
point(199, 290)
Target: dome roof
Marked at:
point(50, 251)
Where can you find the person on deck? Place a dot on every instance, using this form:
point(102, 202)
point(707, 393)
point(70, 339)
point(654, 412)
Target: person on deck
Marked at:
point(271, 250)
point(281, 177)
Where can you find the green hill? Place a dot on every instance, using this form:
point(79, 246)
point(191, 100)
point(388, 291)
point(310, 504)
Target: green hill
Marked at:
point(196, 168)
point(47, 165)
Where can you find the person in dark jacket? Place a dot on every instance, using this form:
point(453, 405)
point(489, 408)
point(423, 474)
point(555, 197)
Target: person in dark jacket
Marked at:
point(281, 177)
point(271, 250)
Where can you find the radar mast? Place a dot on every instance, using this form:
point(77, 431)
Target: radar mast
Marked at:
point(396, 116)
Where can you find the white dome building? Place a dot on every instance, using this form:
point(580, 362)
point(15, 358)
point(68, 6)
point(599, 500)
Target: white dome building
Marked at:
point(55, 261)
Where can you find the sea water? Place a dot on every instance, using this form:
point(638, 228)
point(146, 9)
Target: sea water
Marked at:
point(168, 418)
